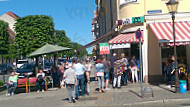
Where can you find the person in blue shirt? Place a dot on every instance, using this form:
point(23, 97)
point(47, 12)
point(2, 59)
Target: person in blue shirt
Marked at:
point(139, 72)
point(79, 72)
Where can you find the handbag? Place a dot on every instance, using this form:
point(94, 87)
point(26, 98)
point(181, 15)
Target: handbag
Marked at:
point(100, 74)
point(123, 69)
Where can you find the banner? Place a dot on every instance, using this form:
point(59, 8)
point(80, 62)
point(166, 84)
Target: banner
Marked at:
point(104, 48)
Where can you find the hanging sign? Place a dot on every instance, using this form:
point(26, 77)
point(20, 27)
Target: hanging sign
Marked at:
point(120, 46)
point(131, 20)
point(138, 34)
point(104, 48)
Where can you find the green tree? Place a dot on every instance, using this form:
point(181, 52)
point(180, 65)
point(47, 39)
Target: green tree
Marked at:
point(77, 51)
point(62, 40)
point(4, 38)
point(32, 33)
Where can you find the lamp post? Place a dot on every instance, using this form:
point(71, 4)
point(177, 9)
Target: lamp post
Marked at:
point(172, 8)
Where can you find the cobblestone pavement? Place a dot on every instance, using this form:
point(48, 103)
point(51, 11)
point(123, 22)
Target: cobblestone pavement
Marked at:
point(126, 96)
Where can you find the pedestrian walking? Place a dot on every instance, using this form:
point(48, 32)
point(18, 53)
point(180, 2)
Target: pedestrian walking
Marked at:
point(112, 60)
point(88, 70)
point(71, 81)
point(62, 80)
point(125, 70)
point(106, 70)
point(88, 66)
point(79, 71)
point(40, 81)
point(100, 75)
point(118, 71)
point(134, 68)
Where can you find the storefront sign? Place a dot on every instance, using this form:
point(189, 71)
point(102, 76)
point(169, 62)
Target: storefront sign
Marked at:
point(122, 2)
point(131, 20)
point(125, 21)
point(104, 48)
point(119, 46)
point(154, 11)
point(138, 19)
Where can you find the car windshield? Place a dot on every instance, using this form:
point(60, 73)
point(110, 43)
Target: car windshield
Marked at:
point(22, 62)
point(26, 66)
point(61, 60)
point(4, 65)
point(47, 64)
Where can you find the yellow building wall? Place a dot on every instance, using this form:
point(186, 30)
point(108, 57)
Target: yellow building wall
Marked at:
point(132, 10)
point(141, 8)
point(154, 58)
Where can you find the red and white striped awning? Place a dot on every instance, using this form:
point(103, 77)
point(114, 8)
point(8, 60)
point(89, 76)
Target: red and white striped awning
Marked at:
point(125, 38)
point(164, 32)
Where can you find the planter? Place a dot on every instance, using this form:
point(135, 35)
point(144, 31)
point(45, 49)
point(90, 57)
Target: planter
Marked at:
point(2, 88)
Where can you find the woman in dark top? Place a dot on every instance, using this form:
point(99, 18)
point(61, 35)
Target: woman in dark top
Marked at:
point(134, 68)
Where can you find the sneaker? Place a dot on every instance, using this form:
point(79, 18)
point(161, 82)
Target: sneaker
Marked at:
point(8, 94)
point(169, 86)
point(70, 101)
point(107, 89)
point(73, 100)
point(38, 91)
point(43, 91)
point(12, 93)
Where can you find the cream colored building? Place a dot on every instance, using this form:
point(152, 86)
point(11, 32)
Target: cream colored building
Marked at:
point(156, 23)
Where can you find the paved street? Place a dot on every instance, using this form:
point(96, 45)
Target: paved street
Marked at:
point(126, 96)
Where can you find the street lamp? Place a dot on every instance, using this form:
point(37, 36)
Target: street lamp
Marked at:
point(172, 8)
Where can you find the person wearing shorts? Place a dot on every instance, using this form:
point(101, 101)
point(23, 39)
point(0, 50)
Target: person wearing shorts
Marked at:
point(106, 70)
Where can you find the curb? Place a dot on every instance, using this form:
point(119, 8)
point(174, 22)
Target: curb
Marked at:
point(164, 101)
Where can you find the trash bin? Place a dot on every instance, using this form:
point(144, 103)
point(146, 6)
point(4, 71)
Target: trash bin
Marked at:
point(182, 86)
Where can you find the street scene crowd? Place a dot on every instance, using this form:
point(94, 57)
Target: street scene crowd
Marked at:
point(75, 75)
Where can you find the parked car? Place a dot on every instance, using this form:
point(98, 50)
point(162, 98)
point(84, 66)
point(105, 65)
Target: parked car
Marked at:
point(9, 68)
point(61, 60)
point(3, 69)
point(21, 62)
point(47, 67)
point(26, 69)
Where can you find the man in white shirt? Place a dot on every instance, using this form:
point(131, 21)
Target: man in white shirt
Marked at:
point(79, 72)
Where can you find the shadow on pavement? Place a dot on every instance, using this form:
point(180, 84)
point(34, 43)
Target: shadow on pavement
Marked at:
point(135, 93)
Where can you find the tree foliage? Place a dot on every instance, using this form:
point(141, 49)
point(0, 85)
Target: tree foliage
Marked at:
point(32, 33)
point(4, 37)
point(77, 51)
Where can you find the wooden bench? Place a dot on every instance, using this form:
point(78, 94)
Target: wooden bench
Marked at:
point(22, 83)
point(32, 82)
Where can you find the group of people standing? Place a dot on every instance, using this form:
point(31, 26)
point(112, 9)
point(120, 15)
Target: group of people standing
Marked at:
point(120, 69)
point(170, 69)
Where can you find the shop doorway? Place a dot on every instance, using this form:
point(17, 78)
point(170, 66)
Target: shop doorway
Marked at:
point(168, 51)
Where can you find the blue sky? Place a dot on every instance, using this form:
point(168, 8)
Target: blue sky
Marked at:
point(73, 16)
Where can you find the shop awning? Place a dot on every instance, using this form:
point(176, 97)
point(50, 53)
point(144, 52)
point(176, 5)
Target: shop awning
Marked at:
point(164, 32)
point(125, 38)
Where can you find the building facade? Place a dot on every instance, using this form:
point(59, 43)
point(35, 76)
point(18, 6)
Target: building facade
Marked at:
point(10, 17)
point(154, 21)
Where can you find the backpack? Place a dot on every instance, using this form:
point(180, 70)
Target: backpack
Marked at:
point(40, 78)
